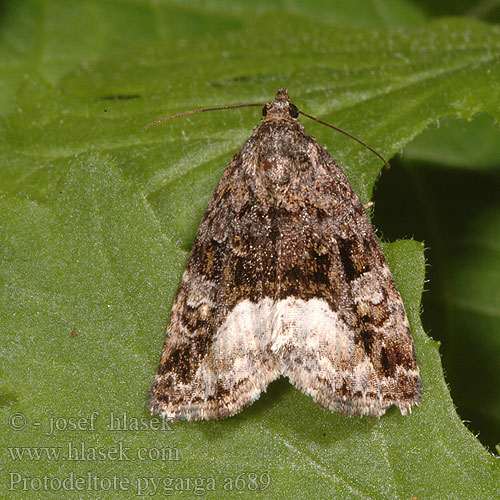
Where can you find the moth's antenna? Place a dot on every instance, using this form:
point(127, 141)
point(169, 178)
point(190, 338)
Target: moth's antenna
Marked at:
point(376, 153)
point(218, 108)
point(235, 106)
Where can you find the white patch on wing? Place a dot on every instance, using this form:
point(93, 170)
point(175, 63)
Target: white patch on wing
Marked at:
point(245, 327)
point(254, 332)
point(302, 339)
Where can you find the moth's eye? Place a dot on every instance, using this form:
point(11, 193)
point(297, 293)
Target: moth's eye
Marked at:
point(293, 111)
point(264, 111)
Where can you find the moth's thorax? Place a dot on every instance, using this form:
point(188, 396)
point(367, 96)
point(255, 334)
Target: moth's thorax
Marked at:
point(282, 152)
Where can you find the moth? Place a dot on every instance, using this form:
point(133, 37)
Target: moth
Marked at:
point(285, 277)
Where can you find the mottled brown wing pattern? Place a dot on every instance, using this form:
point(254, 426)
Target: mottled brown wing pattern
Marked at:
point(286, 277)
point(209, 370)
point(345, 337)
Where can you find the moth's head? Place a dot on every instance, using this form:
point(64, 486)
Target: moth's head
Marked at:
point(281, 109)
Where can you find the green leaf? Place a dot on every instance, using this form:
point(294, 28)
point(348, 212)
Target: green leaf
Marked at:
point(455, 211)
point(97, 219)
point(455, 143)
